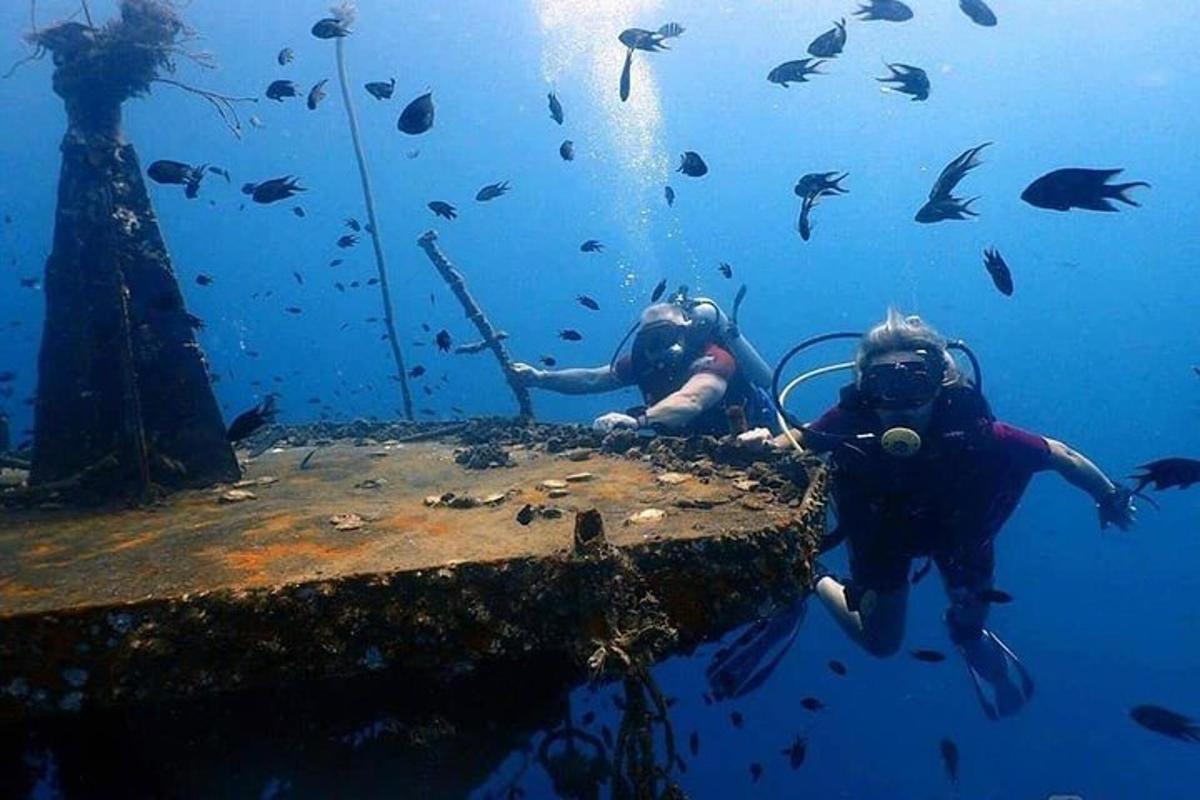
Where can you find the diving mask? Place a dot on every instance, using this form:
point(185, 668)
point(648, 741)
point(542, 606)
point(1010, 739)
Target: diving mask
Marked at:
point(661, 341)
point(904, 382)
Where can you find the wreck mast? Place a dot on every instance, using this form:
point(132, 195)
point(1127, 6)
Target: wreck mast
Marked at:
point(124, 397)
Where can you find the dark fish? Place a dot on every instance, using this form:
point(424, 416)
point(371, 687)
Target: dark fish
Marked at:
point(669, 193)
point(299, 211)
point(796, 751)
point(525, 515)
point(204, 280)
point(907, 79)
point(248, 188)
point(224, 173)
point(337, 261)
point(886, 10)
point(942, 204)
point(756, 772)
point(795, 71)
point(548, 361)
point(170, 172)
point(307, 459)
point(285, 56)
point(492, 191)
point(411, 154)
point(444, 210)
point(811, 704)
point(281, 89)
point(804, 224)
point(827, 183)
point(352, 224)
point(382, 90)
point(250, 421)
point(177, 173)
point(331, 28)
point(692, 165)
point(994, 596)
point(837, 667)
point(556, 109)
point(591, 246)
point(922, 571)
point(1168, 473)
point(950, 759)
point(978, 11)
point(1087, 189)
point(30, 283)
point(625, 74)
point(998, 269)
point(417, 116)
point(274, 189)
point(588, 302)
point(830, 43)
point(737, 719)
point(566, 150)
point(316, 94)
point(346, 241)
point(294, 310)
point(1167, 722)
point(725, 270)
point(339, 286)
point(639, 39)
point(657, 294)
point(569, 335)
point(929, 656)
point(416, 371)
point(299, 278)
point(443, 340)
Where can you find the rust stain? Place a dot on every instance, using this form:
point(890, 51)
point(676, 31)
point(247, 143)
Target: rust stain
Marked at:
point(266, 561)
point(12, 590)
point(131, 542)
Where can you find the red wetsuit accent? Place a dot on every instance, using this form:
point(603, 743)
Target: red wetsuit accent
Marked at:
point(948, 502)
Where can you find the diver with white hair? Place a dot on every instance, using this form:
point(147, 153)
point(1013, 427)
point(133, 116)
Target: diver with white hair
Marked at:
point(697, 373)
point(922, 468)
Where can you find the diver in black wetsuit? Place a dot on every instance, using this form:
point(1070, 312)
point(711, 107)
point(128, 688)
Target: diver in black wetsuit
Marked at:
point(921, 468)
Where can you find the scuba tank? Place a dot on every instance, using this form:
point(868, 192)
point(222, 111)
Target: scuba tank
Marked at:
point(707, 316)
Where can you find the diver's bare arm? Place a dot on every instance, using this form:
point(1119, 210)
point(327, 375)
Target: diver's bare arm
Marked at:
point(593, 380)
point(1080, 471)
point(700, 393)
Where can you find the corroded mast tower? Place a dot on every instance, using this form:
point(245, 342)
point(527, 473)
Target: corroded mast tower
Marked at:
point(124, 398)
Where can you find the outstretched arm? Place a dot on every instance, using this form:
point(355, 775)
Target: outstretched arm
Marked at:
point(702, 391)
point(590, 380)
point(1079, 471)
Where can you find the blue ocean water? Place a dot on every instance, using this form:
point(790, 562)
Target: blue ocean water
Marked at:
point(1096, 346)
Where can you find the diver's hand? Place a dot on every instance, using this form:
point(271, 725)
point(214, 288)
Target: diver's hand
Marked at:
point(609, 422)
point(756, 438)
point(526, 374)
point(1117, 508)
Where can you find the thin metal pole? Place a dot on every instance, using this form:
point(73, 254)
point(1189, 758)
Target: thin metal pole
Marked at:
point(389, 319)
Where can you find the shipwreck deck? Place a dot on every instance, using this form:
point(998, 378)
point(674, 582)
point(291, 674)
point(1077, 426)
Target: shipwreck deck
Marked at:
point(365, 555)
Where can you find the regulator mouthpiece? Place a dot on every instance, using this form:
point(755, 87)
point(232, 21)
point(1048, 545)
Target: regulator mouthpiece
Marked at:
point(900, 442)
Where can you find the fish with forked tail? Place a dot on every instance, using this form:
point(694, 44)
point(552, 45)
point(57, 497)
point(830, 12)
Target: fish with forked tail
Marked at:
point(942, 203)
point(1087, 189)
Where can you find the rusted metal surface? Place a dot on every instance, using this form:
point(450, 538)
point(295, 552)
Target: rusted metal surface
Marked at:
point(197, 596)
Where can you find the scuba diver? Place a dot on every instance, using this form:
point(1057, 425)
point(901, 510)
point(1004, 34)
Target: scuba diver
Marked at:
point(696, 372)
point(922, 468)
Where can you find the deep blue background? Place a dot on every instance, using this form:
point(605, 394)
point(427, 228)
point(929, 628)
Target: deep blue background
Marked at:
point(1096, 347)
